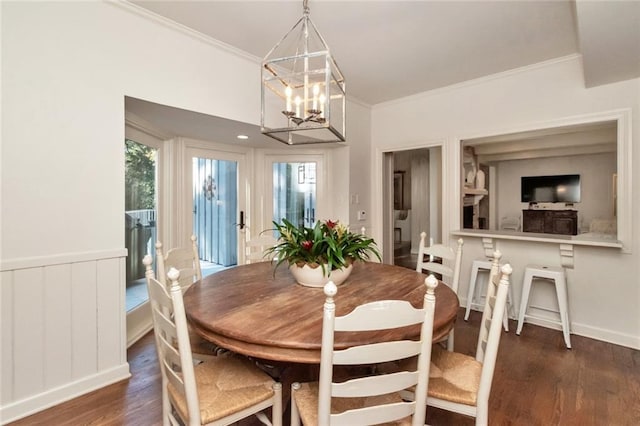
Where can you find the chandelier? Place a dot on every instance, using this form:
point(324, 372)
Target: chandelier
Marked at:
point(303, 90)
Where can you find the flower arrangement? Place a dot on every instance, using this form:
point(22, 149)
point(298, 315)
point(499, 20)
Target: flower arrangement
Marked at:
point(328, 244)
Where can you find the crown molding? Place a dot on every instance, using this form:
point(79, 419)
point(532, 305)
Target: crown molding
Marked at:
point(481, 80)
point(144, 126)
point(168, 23)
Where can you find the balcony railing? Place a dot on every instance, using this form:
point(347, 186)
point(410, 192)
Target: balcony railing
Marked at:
point(140, 239)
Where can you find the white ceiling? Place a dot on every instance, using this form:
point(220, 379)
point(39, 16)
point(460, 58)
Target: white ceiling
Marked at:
point(392, 49)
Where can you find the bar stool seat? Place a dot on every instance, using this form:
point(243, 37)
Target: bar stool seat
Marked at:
point(477, 266)
point(557, 275)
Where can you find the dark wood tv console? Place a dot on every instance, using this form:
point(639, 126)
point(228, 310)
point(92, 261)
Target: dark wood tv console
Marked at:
point(550, 221)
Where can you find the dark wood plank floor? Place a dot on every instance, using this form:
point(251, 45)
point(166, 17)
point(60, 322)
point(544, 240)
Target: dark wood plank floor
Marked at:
point(537, 382)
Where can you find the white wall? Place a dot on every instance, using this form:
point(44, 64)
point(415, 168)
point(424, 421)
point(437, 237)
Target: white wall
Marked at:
point(595, 170)
point(356, 167)
point(66, 69)
point(604, 288)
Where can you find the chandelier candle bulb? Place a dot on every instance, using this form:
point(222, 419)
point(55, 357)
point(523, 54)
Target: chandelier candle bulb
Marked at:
point(322, 100)
point(316, 91)
point(288, 93)
point(298, 101)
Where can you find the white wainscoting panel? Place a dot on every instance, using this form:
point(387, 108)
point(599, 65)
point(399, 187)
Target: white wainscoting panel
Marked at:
point(28, 332)
point(84, 351)
point(63, 329)
point(6, 338)
point(110, 327)
point(57, 325)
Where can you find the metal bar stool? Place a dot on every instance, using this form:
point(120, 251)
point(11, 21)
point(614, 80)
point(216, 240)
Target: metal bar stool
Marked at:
point(557, 275)
point(477, 266)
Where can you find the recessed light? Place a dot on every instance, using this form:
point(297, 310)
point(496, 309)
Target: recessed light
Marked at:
point(242, 137)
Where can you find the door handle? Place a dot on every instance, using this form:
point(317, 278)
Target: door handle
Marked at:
point(241, 224)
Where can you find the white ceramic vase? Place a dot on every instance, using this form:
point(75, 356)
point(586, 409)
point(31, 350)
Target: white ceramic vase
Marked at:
point(314, 277)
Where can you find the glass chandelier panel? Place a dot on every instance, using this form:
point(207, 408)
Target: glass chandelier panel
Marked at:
point(303, 90)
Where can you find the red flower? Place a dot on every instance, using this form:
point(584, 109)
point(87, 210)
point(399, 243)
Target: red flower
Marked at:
point(331, 224)
point(307, 245)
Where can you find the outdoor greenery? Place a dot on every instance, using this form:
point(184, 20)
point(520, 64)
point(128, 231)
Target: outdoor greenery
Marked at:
point(139, 176)
point(328, 244)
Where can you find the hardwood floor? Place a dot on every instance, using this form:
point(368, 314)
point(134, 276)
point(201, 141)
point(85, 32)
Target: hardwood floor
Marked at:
point(537, 382)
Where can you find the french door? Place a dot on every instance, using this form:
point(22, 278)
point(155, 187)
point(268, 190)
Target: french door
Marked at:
point(296, 188)
point(217, 204)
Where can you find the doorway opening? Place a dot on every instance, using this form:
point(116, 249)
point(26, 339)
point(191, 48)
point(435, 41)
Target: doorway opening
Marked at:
point(413, 202)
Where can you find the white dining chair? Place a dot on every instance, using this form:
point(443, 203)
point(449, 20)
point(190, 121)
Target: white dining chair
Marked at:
point(219, 391)
point(432, 258)
point(187, 262)
point(255, 248)
point(461, 383)
point(375, 398)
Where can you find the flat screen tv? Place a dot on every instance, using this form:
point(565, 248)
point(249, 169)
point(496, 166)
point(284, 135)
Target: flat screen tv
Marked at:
point(550, 189)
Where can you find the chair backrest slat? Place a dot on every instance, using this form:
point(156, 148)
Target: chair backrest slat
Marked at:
point(185, 259)
point(437, 268)
point(172, 376)
point(441, 251)
point(369, 316)
point(376, 352)
point(373, 415)
point(375, 385)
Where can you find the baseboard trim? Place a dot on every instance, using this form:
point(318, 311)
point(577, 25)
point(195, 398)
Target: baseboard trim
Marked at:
point(596, 333)
point(139, 323)
point(138, 335)
point(36, 403)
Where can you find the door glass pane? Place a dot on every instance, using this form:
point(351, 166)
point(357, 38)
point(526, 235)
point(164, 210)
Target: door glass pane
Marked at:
point(140, 216)
point(215, 211)
point(294, 193)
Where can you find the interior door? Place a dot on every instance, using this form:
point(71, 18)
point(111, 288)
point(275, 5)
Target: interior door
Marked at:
point(218, 205)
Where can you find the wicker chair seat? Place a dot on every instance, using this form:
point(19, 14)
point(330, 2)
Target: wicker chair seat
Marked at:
point(454, 376)
point(225, 385)
point(307, 400)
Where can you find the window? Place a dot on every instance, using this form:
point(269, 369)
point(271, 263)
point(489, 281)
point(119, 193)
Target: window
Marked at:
point(140, 216)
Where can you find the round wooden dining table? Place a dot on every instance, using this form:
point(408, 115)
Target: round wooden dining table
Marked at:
point(260, 312)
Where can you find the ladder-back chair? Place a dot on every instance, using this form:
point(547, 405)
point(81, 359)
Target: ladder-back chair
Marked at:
point(187, 262)
point(255, 248)
point(219, 391)
point(376, 398)
point(427, 261)
point(462, 383)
